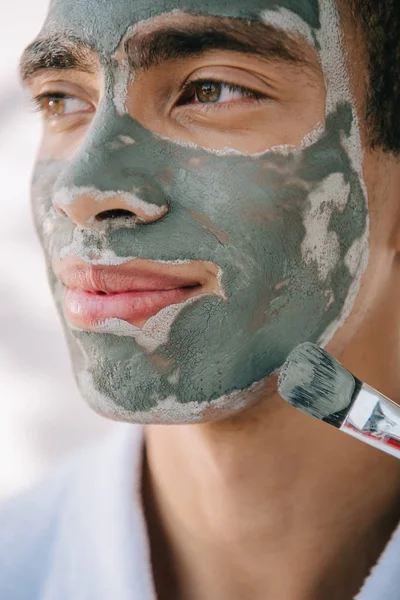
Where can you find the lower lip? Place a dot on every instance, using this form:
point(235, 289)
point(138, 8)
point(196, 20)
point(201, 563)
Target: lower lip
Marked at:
point(86, 310)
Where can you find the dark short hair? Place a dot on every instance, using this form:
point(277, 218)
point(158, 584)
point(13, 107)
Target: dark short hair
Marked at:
point(380, 26)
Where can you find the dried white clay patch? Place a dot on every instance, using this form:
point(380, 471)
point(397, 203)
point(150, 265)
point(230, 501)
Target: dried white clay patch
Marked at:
point(288, 21)
point(321, 245)
point(337, 78)
point(155, 332)
point(173, 379)
point(356, 261)
point(68, 195)
point(78, 249)
point(49, 223)
point(121, 141)
point(170, 411)
point(123, 77)
point(284, 149)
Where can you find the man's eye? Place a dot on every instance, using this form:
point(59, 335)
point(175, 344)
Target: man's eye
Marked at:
point(215, 92)
point(60, 105)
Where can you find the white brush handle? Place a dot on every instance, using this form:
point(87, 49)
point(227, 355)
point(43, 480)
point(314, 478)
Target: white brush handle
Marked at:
point(375, 420)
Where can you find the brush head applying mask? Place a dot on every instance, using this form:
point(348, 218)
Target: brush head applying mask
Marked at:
point(317, 384)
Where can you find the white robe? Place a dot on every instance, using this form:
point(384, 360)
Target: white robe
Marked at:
point(81, 534)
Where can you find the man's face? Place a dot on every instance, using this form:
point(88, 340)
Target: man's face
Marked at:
point(198, 195)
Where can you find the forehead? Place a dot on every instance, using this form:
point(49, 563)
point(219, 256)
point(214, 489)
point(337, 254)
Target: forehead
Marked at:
point(102, 23)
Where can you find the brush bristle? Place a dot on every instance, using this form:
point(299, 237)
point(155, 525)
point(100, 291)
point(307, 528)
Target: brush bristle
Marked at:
point(313, 381)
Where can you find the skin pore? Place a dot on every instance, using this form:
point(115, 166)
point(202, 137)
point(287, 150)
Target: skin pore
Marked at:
point(266, 185)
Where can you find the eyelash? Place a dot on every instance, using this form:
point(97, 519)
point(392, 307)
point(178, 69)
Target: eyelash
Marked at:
point(190, 86)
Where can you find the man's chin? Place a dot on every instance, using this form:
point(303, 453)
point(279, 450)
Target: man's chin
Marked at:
point(168, 410)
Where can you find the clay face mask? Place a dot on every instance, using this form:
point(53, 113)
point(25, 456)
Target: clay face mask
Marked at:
point(277, 240)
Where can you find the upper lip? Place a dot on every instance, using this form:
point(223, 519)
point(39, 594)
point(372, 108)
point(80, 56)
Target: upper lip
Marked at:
point(120, 279)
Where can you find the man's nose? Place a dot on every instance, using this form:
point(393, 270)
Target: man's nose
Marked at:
point(112, 175)
point(87, 206)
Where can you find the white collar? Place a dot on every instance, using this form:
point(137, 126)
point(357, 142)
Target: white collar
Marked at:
point(101, 550)
point(384, 580)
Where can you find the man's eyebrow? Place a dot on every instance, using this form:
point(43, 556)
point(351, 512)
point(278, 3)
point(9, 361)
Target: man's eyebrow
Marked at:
point(174, 42)
point(56, 52)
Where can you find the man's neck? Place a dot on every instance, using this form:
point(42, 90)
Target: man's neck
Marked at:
point(269, 504)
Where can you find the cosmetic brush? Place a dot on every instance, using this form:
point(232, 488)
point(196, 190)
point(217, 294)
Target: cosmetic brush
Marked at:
point(317, 384)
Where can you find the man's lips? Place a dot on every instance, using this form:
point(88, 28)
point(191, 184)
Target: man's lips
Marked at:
point(88, 309)
point(120, 280)
point(134, 294)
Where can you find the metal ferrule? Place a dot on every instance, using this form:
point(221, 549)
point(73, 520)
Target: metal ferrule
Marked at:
point(375, 420)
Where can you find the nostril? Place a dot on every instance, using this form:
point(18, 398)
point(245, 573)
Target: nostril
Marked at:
point(116, 213)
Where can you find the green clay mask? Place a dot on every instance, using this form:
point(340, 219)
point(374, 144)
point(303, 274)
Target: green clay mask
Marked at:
point(286, 229)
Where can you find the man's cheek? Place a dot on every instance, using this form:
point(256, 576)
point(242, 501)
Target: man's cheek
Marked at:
point(54, 230)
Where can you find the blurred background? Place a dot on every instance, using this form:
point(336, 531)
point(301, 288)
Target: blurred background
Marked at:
point(42, 417)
